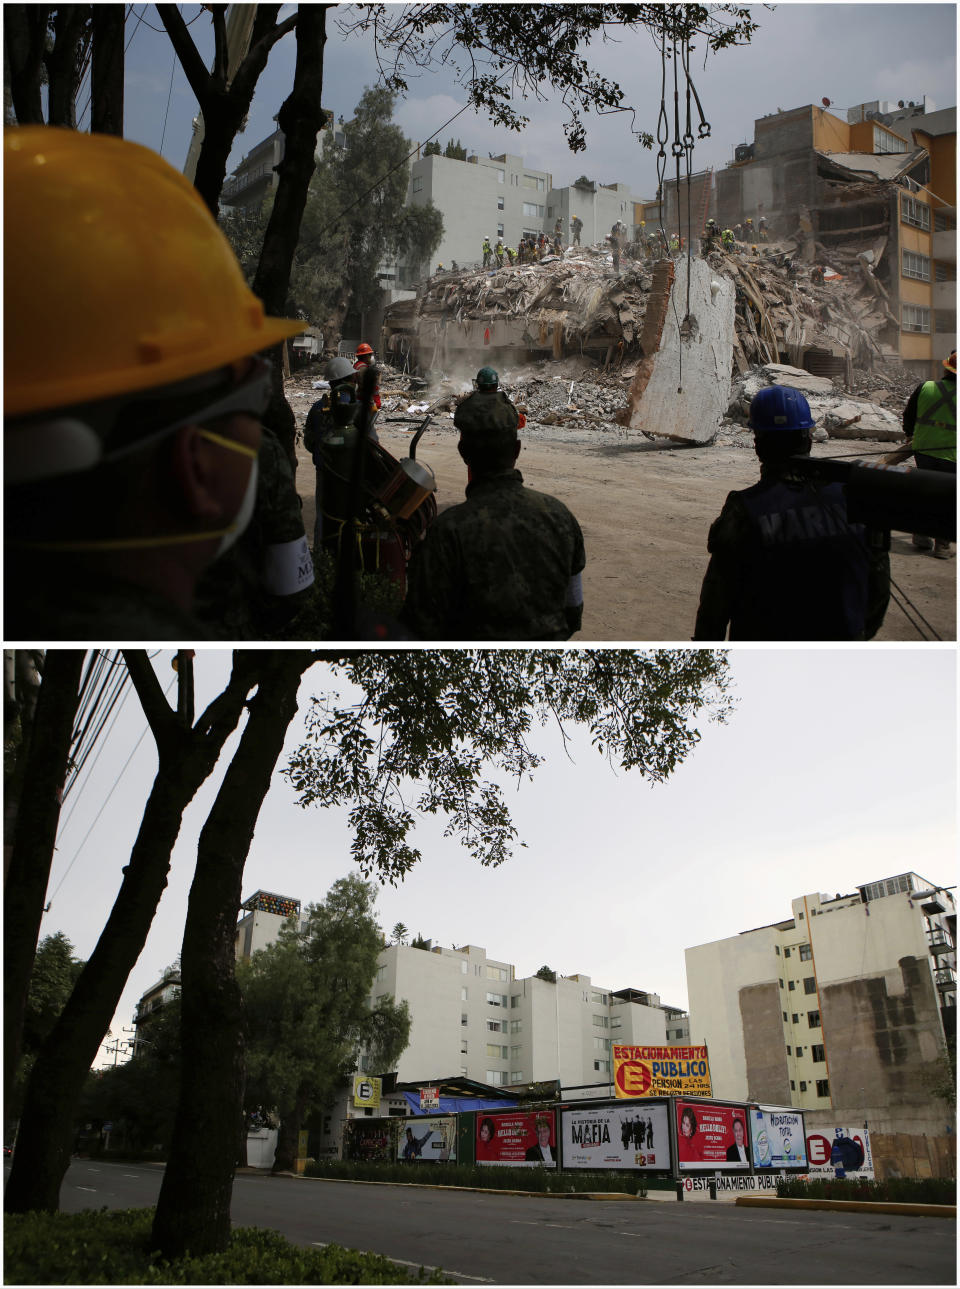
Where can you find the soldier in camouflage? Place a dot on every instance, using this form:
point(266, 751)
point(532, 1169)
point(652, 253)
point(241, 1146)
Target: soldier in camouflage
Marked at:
point(506, 564)
point(258, 586)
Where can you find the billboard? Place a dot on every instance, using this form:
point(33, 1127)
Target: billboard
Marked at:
point(367, 1139)
point(521, 1139)
point(846, 1148)
point(616, 1136)
point(428, 1139)
point(777, 1138)
point(712, 1136)
point(660, 1071)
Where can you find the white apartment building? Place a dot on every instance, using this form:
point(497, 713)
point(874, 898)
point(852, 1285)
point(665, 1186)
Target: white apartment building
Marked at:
point(471, 1016)
point(847, 1006)
point(503, 197)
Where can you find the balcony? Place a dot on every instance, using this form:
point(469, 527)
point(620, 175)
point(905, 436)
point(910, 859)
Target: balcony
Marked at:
point(944, 246)
point(939, 941)
point(946, 979)
point(945, 295)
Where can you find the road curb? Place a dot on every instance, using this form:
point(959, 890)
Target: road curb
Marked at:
point(479, 1190)
point(851, 1206)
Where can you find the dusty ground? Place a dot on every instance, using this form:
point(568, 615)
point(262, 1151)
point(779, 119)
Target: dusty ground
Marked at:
point(645, 512)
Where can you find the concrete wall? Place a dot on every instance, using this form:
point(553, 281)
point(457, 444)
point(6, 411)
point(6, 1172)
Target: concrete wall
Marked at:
point(768, 1076)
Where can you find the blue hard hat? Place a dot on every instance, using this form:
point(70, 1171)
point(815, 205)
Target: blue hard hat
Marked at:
point(780, 407)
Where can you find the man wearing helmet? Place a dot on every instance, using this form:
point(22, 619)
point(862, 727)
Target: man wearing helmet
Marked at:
point(327, 435)
point(785, 562)
point(130, 456)
point(506, 564)
point(365, 359)
point(930, 423)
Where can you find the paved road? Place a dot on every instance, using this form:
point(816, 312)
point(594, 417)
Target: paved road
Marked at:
point(502, 1239)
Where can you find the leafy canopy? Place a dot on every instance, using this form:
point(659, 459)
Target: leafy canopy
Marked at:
point(502, 51)
point(431, 726)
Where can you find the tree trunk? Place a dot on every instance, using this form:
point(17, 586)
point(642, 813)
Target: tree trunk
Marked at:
point(187, 758)
point(288, 1137)
point(193, 1209)
point(106, 95)
point(65, 62)
point(221, 124)
point(301, 117)
point(24, 30)
point(44, 759)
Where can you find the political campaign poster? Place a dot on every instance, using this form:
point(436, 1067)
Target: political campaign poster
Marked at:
point(838, 1148)
point(522, 1140)
point(711, 1136)
point(428, 1139)
point(616, 1136)
point(660, 1071)
point(777, 1138)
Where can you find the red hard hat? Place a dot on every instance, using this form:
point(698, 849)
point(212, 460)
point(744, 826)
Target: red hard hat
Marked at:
point(363, 348)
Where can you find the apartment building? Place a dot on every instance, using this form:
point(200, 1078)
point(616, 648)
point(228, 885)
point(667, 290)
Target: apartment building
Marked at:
point(503, 197)
point(472, 1017)
point(845, 1008)
point(263, 914)
point(881, 182)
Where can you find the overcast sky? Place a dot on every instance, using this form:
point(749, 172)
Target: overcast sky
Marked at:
point(837, 768)
point(849, 53)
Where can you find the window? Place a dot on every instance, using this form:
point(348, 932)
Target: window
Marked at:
point(463, 1070)
point(601, 1022)
point(796, 1019)
point(786, 953)
point(463, 1047)
point(799, 1051)
point(497, 1052)
point(381, 971)
point(515, 180)
point(817, 1053)
point(813, 1020)
point(501, 176)
point(803, 1086)
point(418, 183)
point(776, 949)
point(515, 1052)
point(616, 1022)
point(464, 967)
point(532, 210)
point(791, 984)
point(463, 994)
point(806, 953)
point(602, 1067)
point(884, 141)
point(914, 212)
point(516, 1076)
point(809, 984)
point(515, 1000)
point(793, 1086)
point(789, 1051)
point(463, 1018)
point(916, 266)
point(500, 203)
point(496, 1026)
point(944, 272)
point(516, 1026)
point(497, 973)
point(497, 1000)
point(599, 998)
point(784, 1015)
point(823, 1087)
point(497, 1077)
point(781, 984)
point(500, 234)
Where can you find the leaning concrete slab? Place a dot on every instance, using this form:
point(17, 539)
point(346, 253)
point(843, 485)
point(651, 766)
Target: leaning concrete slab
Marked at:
point(685, 390)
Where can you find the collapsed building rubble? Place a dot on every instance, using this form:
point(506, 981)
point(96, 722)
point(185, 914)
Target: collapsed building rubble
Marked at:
point(577, 344)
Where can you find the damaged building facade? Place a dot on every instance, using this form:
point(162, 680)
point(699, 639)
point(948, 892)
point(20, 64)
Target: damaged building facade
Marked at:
point(876, 194)
point(847, 1010)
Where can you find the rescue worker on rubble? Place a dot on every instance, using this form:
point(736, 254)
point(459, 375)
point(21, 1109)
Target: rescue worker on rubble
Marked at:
point(511, 256)
point(130, 452)
point(557, 246)
point(505, 564)
point(738, 231)
point(726, 239)
point(675, 244)
point(930, 423)
point(615, 248)
point(366, 358)
point(762, 228)
point(785, 562)
point(576, 226)
point(558, 228)
point(498, 251)
point(487, 252)
point(816, 273)
point(709, 236)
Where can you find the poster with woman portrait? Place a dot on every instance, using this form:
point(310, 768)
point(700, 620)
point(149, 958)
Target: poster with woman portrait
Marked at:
point(522, 1140)
point(711, 1136)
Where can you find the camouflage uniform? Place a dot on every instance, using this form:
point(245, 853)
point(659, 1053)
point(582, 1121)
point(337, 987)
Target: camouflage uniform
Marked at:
point(265, 578)
point(786, 564)
point(500, 566)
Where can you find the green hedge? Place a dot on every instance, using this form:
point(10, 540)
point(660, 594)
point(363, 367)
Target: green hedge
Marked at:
point(546, 1180)
point(114, 1248)
point(900, 1190)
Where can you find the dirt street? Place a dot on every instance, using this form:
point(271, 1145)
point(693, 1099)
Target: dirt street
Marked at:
point(645, 512)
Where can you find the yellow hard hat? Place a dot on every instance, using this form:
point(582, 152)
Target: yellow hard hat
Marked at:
point(116, 276)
